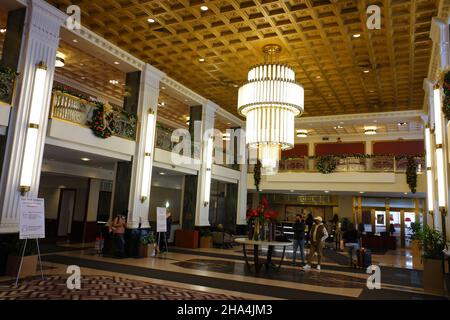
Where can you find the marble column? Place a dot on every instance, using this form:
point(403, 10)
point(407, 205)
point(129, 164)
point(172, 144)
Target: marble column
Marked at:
point(138, 209)
point(39, 44)
point(202, 206)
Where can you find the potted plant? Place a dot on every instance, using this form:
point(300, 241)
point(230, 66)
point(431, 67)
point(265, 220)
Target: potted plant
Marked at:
point(416, 231)
point(147, 245)
point(206, 239)
point(30, 258)
point(432, 244)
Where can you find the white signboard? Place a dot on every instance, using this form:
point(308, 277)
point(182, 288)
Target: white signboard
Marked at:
point(32, 218)
point(161, 222)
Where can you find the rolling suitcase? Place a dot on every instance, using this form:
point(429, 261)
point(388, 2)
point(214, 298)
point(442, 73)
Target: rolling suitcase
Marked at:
point(364, 258)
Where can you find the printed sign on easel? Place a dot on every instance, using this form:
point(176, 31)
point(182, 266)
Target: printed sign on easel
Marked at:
point(32, 218)
point(161, 219)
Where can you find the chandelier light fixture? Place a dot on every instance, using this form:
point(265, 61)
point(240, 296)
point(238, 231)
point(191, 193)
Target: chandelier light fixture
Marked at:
point(302, 133)
point(270, 100)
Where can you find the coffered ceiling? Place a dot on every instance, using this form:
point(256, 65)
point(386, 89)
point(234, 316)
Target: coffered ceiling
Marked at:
point(381, 70)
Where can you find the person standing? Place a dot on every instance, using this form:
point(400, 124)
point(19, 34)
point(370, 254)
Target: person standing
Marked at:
point(317, 237)
point(299, 238)
point(351, 242)
point(309, 223)
point(118, 230)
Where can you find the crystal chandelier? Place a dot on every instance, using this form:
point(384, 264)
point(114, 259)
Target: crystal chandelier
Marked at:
point(270, 100)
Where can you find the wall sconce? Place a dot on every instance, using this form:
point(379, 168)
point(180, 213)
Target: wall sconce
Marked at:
point(439, 156)
point(37, 101)
point(208, 160)
point(149, 139)
point(430, 197)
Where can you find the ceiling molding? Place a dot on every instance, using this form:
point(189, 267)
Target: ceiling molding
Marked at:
point(183, 90)
point(400, 115)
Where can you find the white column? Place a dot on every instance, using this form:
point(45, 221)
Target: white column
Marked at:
point(138, 208)
point(202, 207)
point(368, 147)
point(40, 42)
point(440, 36)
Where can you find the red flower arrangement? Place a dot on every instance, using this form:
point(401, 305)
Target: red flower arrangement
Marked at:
point(262, 213)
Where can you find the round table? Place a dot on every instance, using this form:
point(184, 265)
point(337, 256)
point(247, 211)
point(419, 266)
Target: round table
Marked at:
point(256, 243)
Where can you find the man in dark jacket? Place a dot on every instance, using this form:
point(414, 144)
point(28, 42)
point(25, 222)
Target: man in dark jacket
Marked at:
point(299, 238)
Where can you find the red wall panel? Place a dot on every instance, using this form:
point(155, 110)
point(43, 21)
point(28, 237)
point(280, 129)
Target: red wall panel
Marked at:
point(299, 150)
point(399, 147)
point(339, 148)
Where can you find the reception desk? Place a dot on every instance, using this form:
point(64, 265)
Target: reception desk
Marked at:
point(379, 242)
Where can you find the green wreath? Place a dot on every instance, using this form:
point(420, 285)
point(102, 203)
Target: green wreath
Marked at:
point(97, 125)
point(411, 174)
point(446, 103)
point(326, 164)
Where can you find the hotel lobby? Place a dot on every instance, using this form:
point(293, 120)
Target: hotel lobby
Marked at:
point(224, 150)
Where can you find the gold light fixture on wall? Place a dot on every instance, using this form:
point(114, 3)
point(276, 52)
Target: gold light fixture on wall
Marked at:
point(270, 100)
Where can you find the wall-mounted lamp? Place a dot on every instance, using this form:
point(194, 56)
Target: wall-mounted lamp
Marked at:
point(37, 102)
point(428, 162)
point(148, 150)
point(208, 161)
point(442, 201)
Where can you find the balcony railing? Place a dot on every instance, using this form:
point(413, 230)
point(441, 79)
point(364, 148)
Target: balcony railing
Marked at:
point(349, 164)
point(79, 111)
point(165, 141)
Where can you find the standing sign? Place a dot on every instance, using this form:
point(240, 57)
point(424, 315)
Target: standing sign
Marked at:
point(32, 218)
point(161, 222)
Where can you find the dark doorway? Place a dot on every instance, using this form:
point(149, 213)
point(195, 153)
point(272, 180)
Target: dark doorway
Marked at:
point(104, 205)
point(66, 211)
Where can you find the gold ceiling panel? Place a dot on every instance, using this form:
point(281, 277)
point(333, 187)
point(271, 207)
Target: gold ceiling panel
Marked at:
point(90, 71)
point(316, 37)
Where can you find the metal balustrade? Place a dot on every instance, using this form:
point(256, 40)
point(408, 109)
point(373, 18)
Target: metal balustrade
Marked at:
point(349, 164)
point(79, 111)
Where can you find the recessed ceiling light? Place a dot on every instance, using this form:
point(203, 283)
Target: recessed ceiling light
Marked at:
point(356, 35)
point(201, 59)
point(235, 85)
point(75, 41)
point(338, 127)
point(186, 100)
point(326, 191)
point(402, 124)
point(317, 77)
point(204, 8)
point(228, 122)
point(151, 20)
point(113, 81)
point(116, 62)
point(361, 192)
point(59, 62)
point(163, 103)
point(302, 133)
point(162, 173)
point(164, 88)
point(406, 193)
point(81, 64)
point(371, 91)
point(292, 190)
point(370, 130)
point(85, 159)
point(2, 30)
point(366, 71)
point(82, 78)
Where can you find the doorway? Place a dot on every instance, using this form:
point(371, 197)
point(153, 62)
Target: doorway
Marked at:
point(66, 211)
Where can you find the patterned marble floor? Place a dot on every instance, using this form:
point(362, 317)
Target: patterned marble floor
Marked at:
point(99, 288)
point(194, 274)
